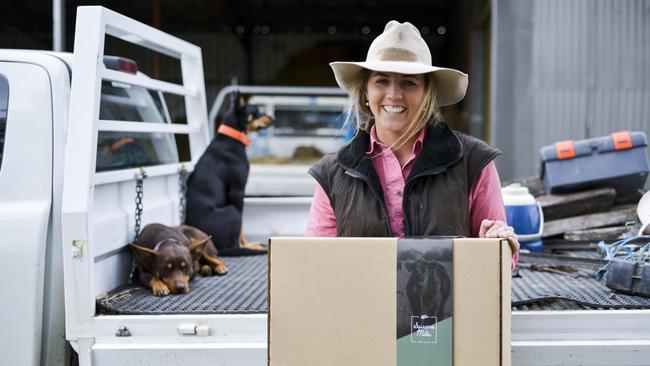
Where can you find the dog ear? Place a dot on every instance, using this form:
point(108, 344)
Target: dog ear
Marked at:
point(241, 102)
point(237, 102)
point(197, 247)
point(143, 256)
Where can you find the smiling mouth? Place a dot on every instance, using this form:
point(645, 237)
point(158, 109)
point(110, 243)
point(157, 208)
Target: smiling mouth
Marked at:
point(393, 110)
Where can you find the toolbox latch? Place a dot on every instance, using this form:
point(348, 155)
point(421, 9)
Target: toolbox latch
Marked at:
point(622, 140)
point(565, 149)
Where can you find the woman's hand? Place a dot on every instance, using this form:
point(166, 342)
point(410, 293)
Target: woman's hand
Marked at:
point(499, 229)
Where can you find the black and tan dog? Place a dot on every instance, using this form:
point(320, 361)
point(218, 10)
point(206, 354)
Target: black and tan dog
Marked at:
point(215, 190)
point(167, 258)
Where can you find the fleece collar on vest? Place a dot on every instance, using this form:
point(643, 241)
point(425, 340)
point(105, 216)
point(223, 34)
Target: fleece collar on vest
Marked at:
point(442, 148)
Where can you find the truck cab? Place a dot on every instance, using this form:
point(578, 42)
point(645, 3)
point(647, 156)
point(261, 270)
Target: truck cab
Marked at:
point(75, 131)
point(28, 108)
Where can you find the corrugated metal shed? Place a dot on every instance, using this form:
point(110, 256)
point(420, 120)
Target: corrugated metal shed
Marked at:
point(566, 69)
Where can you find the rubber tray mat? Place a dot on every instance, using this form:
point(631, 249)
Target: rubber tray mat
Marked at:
point(241, 291)
point(551, 305)
point(540, 290)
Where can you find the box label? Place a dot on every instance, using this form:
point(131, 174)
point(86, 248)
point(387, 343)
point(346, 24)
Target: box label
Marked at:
point(424, 329)
point(424, 285)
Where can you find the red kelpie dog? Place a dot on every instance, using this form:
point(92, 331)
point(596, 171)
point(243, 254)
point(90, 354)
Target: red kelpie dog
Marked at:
point(167, 258)
point(215, 190)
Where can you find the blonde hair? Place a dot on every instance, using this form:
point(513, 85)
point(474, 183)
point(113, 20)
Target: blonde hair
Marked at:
point(359, 114)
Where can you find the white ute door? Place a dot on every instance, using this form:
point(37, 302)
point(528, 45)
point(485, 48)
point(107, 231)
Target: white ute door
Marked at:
point(25, 200)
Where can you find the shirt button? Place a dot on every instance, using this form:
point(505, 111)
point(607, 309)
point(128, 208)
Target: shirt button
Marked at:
point(399, 193)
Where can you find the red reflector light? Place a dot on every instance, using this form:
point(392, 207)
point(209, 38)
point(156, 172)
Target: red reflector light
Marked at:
point(121, 64)
point(127, 66)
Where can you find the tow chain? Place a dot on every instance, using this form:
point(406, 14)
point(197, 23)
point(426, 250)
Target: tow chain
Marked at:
point(139, 182)
point(182, 191)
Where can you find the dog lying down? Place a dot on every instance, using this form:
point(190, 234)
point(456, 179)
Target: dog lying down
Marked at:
point(167, 258)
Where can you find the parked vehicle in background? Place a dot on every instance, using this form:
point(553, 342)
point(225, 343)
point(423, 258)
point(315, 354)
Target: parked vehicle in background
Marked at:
point(307, 117)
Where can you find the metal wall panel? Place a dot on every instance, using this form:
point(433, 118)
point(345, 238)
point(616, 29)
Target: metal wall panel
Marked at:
point(567, 69)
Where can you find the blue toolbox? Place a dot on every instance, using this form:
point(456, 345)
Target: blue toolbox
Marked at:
point(619, 161)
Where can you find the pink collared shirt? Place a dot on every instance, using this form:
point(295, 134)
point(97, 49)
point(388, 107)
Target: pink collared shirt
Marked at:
point(485, 201)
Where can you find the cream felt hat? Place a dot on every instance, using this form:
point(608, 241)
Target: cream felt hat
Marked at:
point(401, 49)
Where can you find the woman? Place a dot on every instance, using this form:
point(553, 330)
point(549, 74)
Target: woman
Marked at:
point(406, 173)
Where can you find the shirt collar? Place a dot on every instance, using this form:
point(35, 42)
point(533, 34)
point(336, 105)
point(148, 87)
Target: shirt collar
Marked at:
point(377, 147)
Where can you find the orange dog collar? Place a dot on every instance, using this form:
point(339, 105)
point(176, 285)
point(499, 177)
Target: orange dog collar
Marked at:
point(234, 134)
point(110, 150)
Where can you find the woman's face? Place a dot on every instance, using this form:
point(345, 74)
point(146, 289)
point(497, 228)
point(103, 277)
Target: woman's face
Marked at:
point(394, 99)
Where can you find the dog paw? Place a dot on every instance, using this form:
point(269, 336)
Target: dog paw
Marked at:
point(206, 270)
point(221, 269)
point(159, 289)
point(255, 245)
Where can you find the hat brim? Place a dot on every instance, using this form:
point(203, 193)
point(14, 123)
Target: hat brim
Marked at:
point(451, 84)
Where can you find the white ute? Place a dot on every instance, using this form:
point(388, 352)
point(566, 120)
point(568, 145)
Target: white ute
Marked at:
point(66, 216)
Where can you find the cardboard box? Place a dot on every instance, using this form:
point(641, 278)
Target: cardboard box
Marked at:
point(334, 301)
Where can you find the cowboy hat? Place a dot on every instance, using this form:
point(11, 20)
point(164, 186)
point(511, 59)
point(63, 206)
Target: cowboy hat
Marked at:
point(401, 49)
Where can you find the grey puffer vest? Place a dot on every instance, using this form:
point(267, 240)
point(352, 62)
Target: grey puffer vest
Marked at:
point(435, 197)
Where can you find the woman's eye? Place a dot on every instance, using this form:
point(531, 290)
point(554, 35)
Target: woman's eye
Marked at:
point(409, 83)
point(382, 81)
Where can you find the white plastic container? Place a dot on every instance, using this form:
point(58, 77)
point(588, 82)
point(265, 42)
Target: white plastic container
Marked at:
point(525, 215)
point(643, 211)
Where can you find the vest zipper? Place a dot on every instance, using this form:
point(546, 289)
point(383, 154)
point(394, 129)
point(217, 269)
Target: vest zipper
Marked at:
point(415, 200)
point(416, 217)
point(356, 174)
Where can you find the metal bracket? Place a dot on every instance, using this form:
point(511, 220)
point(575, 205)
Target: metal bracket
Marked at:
point(123, 332)
point(78, 248)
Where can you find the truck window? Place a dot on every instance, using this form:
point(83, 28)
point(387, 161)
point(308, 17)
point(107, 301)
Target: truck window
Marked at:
point(308, 121)
point(121, 102)
point(4, 103)
point(123, 150)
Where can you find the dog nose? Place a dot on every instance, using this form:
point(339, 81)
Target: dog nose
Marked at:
point(180, 286)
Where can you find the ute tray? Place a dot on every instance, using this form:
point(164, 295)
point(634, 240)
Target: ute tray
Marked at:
point(243, 290)
point(566, 282)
